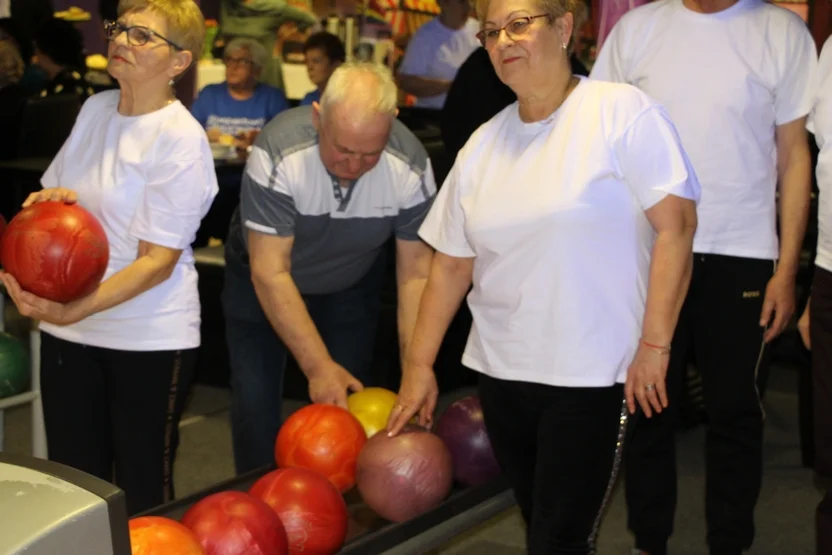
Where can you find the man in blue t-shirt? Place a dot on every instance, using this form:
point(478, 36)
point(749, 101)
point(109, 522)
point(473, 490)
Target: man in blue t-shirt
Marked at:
point(234, 112)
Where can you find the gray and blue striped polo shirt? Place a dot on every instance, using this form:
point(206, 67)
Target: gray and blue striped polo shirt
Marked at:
point(338, 233)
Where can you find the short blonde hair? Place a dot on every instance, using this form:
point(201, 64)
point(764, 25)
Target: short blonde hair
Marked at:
point(366, 84)
point(186, 24)
point(11, 64)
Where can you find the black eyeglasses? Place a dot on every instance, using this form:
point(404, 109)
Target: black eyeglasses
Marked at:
point(137, 35)
point(515, 28)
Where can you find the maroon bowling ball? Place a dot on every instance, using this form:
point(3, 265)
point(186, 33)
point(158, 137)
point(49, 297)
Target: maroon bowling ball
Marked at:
point(404, 476)
point(462, 429)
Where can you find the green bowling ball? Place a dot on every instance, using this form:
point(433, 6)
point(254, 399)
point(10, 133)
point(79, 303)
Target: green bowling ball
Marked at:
point(14, 366)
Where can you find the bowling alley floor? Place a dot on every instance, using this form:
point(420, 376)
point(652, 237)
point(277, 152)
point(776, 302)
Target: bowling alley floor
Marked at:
point(784, 513)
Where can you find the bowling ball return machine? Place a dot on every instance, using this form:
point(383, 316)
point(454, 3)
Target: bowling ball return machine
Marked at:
point(48, 508)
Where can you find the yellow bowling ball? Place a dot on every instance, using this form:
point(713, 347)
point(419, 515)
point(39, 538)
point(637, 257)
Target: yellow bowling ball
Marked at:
point(372, 408)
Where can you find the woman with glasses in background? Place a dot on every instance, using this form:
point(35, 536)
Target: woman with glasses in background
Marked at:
point(572, 213)
point(234, 112)
point(116, 365)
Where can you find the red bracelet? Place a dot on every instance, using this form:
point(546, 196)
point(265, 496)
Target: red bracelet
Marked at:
point(658, 348)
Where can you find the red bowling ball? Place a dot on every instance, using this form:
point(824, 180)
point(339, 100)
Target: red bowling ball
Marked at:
point(236, 523)
point(404, 476)
point(322, 438)
point(312, 510)
point(55, 250)
point(462, 428)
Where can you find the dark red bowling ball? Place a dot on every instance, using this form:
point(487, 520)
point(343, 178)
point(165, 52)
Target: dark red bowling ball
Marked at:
point(462, 429)
point(234, 523)
point(406, 475)
point(55, 250)
point(311, 508)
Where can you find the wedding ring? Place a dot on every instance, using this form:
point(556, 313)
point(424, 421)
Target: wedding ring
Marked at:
point(649, 387)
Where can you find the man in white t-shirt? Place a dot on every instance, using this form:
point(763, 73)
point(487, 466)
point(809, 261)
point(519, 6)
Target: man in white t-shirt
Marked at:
point(736, 78)
point(435, 53)
point(816, 323)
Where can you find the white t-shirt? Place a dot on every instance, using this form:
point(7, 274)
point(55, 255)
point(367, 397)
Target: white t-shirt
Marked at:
point(437, 52)
point(727, 79)
point(820, 123)
point(554, 214)
point(148, 178)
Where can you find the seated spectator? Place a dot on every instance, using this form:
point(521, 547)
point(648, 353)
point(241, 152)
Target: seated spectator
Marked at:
point(59, 51)
point(435, 53)
point(233, 112)
point(12, 97)
point(324, 52)
point(34, 78)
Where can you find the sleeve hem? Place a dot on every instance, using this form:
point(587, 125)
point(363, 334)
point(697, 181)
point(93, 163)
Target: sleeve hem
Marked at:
point(679, 189)
point(795, 115)
point(279, 230)
point(450, 250)
point(168, 241)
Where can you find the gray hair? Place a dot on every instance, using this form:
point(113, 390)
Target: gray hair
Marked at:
point(259, 56)
point(368, 86)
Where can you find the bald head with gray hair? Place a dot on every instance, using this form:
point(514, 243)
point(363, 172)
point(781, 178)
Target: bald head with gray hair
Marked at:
point(367, 89)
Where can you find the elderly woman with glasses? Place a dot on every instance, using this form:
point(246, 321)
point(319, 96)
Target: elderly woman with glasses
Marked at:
point(116, 365)
point(234, 112)
point(572, 214)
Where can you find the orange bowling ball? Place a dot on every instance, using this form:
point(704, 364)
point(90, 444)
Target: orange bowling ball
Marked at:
point(156, 535)
point(323, 438)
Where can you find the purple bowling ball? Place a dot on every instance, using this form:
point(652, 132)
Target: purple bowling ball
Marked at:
point(462, 429)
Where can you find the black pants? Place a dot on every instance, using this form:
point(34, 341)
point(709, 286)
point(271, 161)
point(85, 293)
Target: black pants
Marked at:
point(820, 326)
point(720, 321)
point(560, 449)
point(115, 414)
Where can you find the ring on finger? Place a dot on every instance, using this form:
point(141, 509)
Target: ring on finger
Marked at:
point(650, 387)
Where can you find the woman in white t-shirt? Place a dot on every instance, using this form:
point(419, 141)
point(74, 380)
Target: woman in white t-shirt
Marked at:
point(815, 325)
point(116, 365)
point(436, 51)
point(572, 214)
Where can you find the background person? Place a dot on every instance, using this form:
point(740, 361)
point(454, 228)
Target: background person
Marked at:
point(323, 53)
point(236, 110)
point(815, 325)
point(435, 52)
point(59, 51)
point(742, 120)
